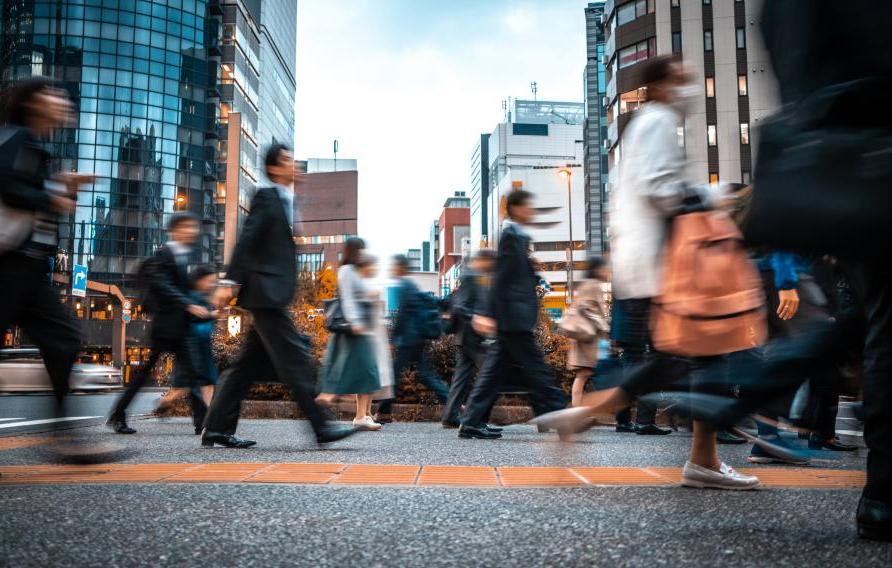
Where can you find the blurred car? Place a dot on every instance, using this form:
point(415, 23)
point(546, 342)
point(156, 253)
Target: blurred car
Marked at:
point(22, 370)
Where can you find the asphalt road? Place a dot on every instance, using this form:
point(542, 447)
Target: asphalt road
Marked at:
point(36, 412)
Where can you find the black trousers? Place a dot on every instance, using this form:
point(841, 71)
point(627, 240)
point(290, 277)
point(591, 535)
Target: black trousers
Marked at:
point(520, 349)
point(28, 300)
point(178, 347)
point(409, 357)
point(467, 364)
point(273, 343)
point(630, 328)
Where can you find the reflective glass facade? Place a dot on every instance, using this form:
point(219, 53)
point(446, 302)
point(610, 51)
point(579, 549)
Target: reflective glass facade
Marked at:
point(140, 75)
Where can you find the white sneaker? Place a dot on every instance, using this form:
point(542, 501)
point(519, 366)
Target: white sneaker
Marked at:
point(694, 475)
point(567, 419)
point(366, 423)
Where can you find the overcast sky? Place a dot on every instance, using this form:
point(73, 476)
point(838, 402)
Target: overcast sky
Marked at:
point(407, 87)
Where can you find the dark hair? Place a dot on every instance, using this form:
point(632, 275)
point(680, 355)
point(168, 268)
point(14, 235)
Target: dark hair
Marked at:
point(271, 158)
point(593, 265)
point(179, 218)
point(658, 69)
point(486, 254)
point(401, 260)
point(201, 271)
point(352, 247)
point(15, 100)
point(516, 198)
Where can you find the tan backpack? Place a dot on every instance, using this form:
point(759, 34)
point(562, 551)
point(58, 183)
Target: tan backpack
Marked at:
point(712, 301)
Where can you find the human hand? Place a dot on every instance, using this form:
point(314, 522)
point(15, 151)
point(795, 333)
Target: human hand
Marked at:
point(198, 311)
point(788, 305)
point(62, 203)
point(484, 325)
point(222, 296)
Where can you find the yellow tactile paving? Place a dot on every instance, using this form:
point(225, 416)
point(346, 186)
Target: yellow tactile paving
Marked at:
point(458, 475)
point(15, 442)
point(374, 474)
point(406, 475)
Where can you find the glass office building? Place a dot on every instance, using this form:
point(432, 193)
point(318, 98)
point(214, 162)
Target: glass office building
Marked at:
point(141, 77)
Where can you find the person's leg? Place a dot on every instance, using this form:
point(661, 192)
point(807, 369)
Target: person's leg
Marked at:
point(704, 449)
point(289, 353)
point(402, 360)
point(138, 380)
point(428, 376)
point(207, 394)
point(462, 378)
point(545, 395)
point(361, 405)
point(233, 385)
point(579, 382)
point(486, 388)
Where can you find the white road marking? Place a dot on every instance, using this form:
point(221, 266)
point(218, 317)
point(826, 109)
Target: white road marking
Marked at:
point(46, 421)
point(8, 419)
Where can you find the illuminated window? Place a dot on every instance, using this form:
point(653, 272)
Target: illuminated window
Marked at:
point(744, 133)
point(741, 85)
point(710, 87)
point(713, 178)
point(711, 136)
point(707, 40)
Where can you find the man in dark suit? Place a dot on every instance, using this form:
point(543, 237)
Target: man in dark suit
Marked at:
point(264, 264)
point(166, 279)
point(514, 312)
point(409, 340)
point(469, 301)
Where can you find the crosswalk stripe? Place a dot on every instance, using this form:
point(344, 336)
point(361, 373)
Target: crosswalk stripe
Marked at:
point(46, 421)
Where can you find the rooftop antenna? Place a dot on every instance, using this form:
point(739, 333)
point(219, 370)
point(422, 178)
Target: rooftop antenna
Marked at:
point(335, 155)
point(535, 88)
point(504, 108)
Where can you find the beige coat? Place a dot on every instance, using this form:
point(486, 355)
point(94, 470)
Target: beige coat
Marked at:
point(589, 295)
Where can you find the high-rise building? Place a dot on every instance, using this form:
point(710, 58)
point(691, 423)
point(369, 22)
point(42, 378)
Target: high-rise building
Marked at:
point(528, 150)
point(167, 116)
point(414, 256)
point(327, 202)
point(595, 131)
point(427, 257)
point(480, 192)
point(721, 47)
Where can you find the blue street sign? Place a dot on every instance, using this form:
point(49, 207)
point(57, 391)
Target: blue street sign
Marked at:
point(79, 280)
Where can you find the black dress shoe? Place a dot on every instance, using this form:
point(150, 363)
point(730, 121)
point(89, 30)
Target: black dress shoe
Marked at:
point(725, 437)
point(332, 433)
point(833, 444)
point(625, 427)
point(383, 418)
point(451, 425)
point(119, 425)
point(208, 439)
point(469, 432)
point(492, 428)
point(874, 519)
point(651, 430)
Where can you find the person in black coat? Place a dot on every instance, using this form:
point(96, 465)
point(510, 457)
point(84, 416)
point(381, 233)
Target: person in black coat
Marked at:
point(264, 265)
point(409, 340)
point(166, 279)
point(469, 300)
point(514, 312)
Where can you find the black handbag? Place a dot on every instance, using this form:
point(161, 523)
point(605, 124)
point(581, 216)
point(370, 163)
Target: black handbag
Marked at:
point(335, 321)
point(823, 180)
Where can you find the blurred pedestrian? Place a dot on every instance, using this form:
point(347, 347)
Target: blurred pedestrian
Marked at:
point(350, 366)
point(264, 267)
point(652, 190)
point(169, 300)
point(469, 300)
point(31, 200)
point(512, 315)
point(589, 303)
point(200, 390)
point(410, 336)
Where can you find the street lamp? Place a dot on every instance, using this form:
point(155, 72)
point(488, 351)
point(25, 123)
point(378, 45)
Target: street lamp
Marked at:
point(567, 173)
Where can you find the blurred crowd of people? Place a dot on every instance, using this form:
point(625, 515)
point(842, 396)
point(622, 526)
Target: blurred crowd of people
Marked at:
point(727, 330)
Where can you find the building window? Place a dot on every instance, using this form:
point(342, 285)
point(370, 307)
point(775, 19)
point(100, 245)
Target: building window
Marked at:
point(707, 2)
point(633, 54)
point(710, 87)
point(744, 133)
point(631, 100)
point(676, 42)
point(675, 3)
point(745, 178)
point(741, 38)
point(679, 134)
point(707, 40)
point(711, 137)
point(713, 178)
point(625, 13)
point(741, 85)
